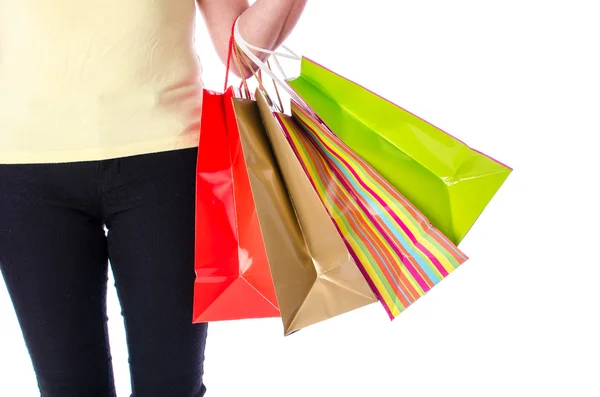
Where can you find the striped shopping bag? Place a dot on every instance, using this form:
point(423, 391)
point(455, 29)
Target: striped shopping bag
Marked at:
point(399, 252)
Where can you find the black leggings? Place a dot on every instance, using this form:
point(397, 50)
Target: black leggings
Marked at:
point(54, 256)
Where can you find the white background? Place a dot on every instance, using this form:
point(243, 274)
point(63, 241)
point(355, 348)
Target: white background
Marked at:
point(518, 80)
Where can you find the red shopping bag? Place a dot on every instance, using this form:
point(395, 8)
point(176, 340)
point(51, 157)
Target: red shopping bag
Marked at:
point(233, 278)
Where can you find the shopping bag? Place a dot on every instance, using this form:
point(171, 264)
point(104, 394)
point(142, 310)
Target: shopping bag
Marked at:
point(233, 278)
point(289, 248)
point(314, 275)
point(448, 181)
point(398, 250)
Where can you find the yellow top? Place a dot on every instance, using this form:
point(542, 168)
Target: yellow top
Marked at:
point(97, 79)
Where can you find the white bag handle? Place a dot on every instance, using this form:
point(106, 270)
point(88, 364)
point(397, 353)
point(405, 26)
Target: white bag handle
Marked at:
point(247, 48)
point(289, 55)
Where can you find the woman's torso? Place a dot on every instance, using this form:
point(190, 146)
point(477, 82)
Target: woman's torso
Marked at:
point(97, 79)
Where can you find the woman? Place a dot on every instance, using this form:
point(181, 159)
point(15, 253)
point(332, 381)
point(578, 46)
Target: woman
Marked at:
point(99, 124)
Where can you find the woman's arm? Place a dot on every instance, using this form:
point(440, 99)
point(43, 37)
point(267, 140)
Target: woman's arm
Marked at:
point(265, 24)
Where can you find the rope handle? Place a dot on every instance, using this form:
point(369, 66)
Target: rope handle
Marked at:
point(245, 48)
point(232, 52)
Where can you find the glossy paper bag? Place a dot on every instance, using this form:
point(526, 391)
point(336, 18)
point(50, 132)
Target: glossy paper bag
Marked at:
point(398, 250)
point(315, 277)
point(444, 178)
point(233, 278)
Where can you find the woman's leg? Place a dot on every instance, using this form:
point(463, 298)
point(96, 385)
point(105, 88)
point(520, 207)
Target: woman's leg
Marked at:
point(150, 217)
point(53, 257)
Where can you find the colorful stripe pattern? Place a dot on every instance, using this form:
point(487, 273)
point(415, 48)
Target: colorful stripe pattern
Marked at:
point(399, 252)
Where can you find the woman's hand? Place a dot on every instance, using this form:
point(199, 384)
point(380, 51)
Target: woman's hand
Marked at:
point(265, 24)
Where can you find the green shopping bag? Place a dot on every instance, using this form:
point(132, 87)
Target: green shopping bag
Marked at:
point(450, 183)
